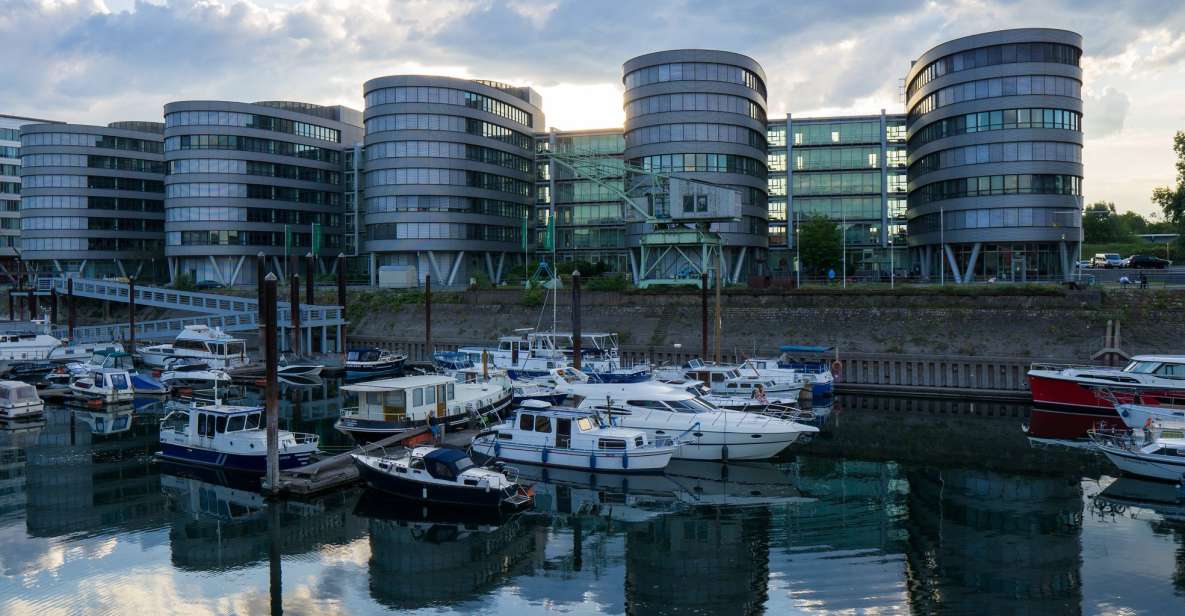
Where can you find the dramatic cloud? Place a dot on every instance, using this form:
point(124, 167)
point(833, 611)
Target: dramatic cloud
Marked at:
point(103, 60)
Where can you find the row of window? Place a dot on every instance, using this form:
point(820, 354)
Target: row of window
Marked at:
point(75, 223)
point(447, 96)
point(69, 202)
point(92, 141)
point(10, 134)
point(998, 153)
point(1002, 119)
point(1011, 53)
point(251, 214)
point(443, 203)
point(442, 231)
point(587, 191)
point(8, 151)
point(841, 208)
point(986, 185)
point(692, 101)
point(119, 163)
point(694, 71)
point(994, 218)
point(252, 120)
point(251, 191)
point(588, 144)
point(451, 177)
point(74, 244)
point(252, 144)
point(712, 163)
point(1047, 85)
point(10, 170)
point(232, 237)
point(448, 149)
point(93, 181)
point(451, 123)
point(664, 133)
point(10, 188)
point(252, 167)
point(845, 158)
point(854, 182)
point(590, 214)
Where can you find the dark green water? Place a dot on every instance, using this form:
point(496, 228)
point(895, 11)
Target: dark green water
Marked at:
point(897, 506)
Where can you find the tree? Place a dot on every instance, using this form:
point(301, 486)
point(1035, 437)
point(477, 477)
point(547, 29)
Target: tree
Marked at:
point(1101, 224)
point(820, 244)
point(1172, 199)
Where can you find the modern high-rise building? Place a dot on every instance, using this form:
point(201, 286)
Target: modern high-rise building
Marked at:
point(589, 214)
point(995, 156)
point(849, 169)
point(245, 178)
point(10, 189)
point(92, 199)
point(449, 175)
point(701, 114)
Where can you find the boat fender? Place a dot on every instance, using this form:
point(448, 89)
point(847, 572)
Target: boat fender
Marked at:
point(724, 452)
point(544, 458)
point(836, 368)
point(425, 493)
point(497, 449)
point(625, 459)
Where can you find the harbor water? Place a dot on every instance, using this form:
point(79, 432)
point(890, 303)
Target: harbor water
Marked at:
point(895, 506)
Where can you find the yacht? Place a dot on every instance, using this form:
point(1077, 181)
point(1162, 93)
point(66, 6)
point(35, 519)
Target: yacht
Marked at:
point(528, 354)
point(298, 366)
point(104, 384)
point(229, 437)
point(23, 346)
point(441, 475)
point(69, 353)
point(815, 377)
point(370, 363)
point(192, 373)
point(1137, 416)
point(390, 406)
point(19, 399)
point(705, 432)
point(1158, 453)
point(730, 381)
point(567, 438)
point(202, 342)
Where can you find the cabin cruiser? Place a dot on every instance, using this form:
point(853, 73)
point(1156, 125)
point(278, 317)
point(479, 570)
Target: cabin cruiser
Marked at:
point(390, 406)
point(527, 355)
point(1158, 453)
point(192, 373)
point(706, 432)
point(442, 475)
point(298, 366)
point(19, 399)
point(785, 407)
point(1070, 400)
point(24, 346)
point(730, 381)
point(69, 353)
point(567, 438)
point(202, 342)
point(229, 437)
point(370, 363)
point(451, 361)
point(810, 362)
point(1138, 416)
point(104, 384)
point(819, 384)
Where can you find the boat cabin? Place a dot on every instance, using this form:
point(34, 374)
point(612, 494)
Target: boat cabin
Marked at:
point(805, 358)
point(537, 425)
point(442, 463)
point(410, 397)
point(208, 422)
point(592, 345)
point(1164, 366)
point(18, 398)
point(369, 356)
point(116, 360)
point(210, 343)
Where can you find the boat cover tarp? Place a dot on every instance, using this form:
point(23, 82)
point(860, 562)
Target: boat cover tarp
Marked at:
point(797, 348)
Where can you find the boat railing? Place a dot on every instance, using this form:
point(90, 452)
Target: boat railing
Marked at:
point(787, 412)
point(305, 438)
point(1041, 365)
point(348, 411)
point(511, 473)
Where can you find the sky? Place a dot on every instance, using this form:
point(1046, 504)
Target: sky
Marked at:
point(98, 61)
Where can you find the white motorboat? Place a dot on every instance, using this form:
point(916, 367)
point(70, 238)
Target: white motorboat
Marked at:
point(104, 384)
point(1139, 416)
point(816, 380)
point(785, 407)
point(68, 353)
point(567, 438)
point(24, 346)
point(207, 344)
point(298, 366)
point(442, 476)
point(528, 355)
point(1158, 453)
point(666, 411)
point(229, 437)
point(19, 399)
point(390, 406)
point(730, 381)
point(188, 373)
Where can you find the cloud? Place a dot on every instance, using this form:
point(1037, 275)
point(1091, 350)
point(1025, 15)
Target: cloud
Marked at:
point(1105, 113)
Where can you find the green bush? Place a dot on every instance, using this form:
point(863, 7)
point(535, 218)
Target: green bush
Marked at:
point(184, 282)
point(534, 296)
point(607, 283)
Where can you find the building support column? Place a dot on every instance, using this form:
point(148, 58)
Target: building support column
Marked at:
point(970, 275)
point(740, 263)
point(498, 270)
point(1064, 253)
point(634, 267)
point(234, 278)
point(452, 274)
point(954, 265)
point(374, 270)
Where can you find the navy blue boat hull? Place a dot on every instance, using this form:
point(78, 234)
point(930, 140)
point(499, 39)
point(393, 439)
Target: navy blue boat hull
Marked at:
point(431, 493)
point(237, 462)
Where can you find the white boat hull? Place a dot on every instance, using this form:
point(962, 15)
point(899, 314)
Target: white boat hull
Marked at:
point(1145, 465)
point(652, 460)
point(1136, 416)
point(740, 446)
point(21, 410)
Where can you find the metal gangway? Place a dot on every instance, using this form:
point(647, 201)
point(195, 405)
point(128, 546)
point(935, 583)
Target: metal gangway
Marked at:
point(231, 314)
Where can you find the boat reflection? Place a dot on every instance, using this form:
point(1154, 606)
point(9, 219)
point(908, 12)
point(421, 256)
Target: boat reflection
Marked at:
point(111, 420)
point(1162, 497)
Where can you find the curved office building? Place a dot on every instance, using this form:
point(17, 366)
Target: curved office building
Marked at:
point(244, 178)
point(92, 199)
point(701, 114)
point(995, 156)
point(449, 175)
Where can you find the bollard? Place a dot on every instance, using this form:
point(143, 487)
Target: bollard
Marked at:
point(428, 315)
point(341, 297)
point(270, 385)
point(576, 351)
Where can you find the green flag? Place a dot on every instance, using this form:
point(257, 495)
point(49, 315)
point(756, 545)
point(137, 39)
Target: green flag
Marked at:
point(287, 242)
point(316, 238)
point(524, 235)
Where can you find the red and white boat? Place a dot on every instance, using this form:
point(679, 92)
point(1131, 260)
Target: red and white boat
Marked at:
point(1068, 402)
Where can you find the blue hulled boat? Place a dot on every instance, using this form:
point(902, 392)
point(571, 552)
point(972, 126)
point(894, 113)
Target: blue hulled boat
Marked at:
point(229, 437)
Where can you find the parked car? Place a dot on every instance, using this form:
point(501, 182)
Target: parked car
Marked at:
point(206, 285)
point(1106, 260)
point(1146, 262)
point(1083, 264)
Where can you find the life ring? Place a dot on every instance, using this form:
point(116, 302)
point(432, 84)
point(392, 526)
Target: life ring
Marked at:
point(836, 368)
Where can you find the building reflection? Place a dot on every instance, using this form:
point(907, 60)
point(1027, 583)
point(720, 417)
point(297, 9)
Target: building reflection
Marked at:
point(983, 542)
point(15, 437)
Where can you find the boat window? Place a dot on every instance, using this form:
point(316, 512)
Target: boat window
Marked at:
point(717, 377)
point(732, 374)
point(688, 406)
point(417, 464)
point(463, 464)
point(221, 424)
point(393, 400)
point(373, 398)
point(1142, 367)
point(235, 348)
point(584, 424)
point(118, 380)
point(440, 470)
point(417, 397)
point(731, 386)
point(610, 443)
point(505, 436)
point(201, 423)
point(638, 441)
point(253, 421)
point(429, 395)
point(452, 393)
point(526, 423)
point(400, 469)
point(236, 423)
point(648, 404)
point(209, 431)
point(542, 423)
point(1172, 371)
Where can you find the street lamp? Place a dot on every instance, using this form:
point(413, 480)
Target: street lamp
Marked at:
point(892, 274)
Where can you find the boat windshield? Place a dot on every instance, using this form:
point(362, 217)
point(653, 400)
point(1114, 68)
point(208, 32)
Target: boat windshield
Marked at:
point(690, 405)
point(1142, 367)
point(732, 374)
point(463, 464)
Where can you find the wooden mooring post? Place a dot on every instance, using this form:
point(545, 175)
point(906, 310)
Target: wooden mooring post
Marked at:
point(271, 387)
point(576, 351)
point(341, 300)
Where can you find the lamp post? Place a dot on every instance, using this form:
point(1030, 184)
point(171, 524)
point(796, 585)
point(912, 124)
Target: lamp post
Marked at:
point(797, 259)
point(892, 274)
point(843, 231)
